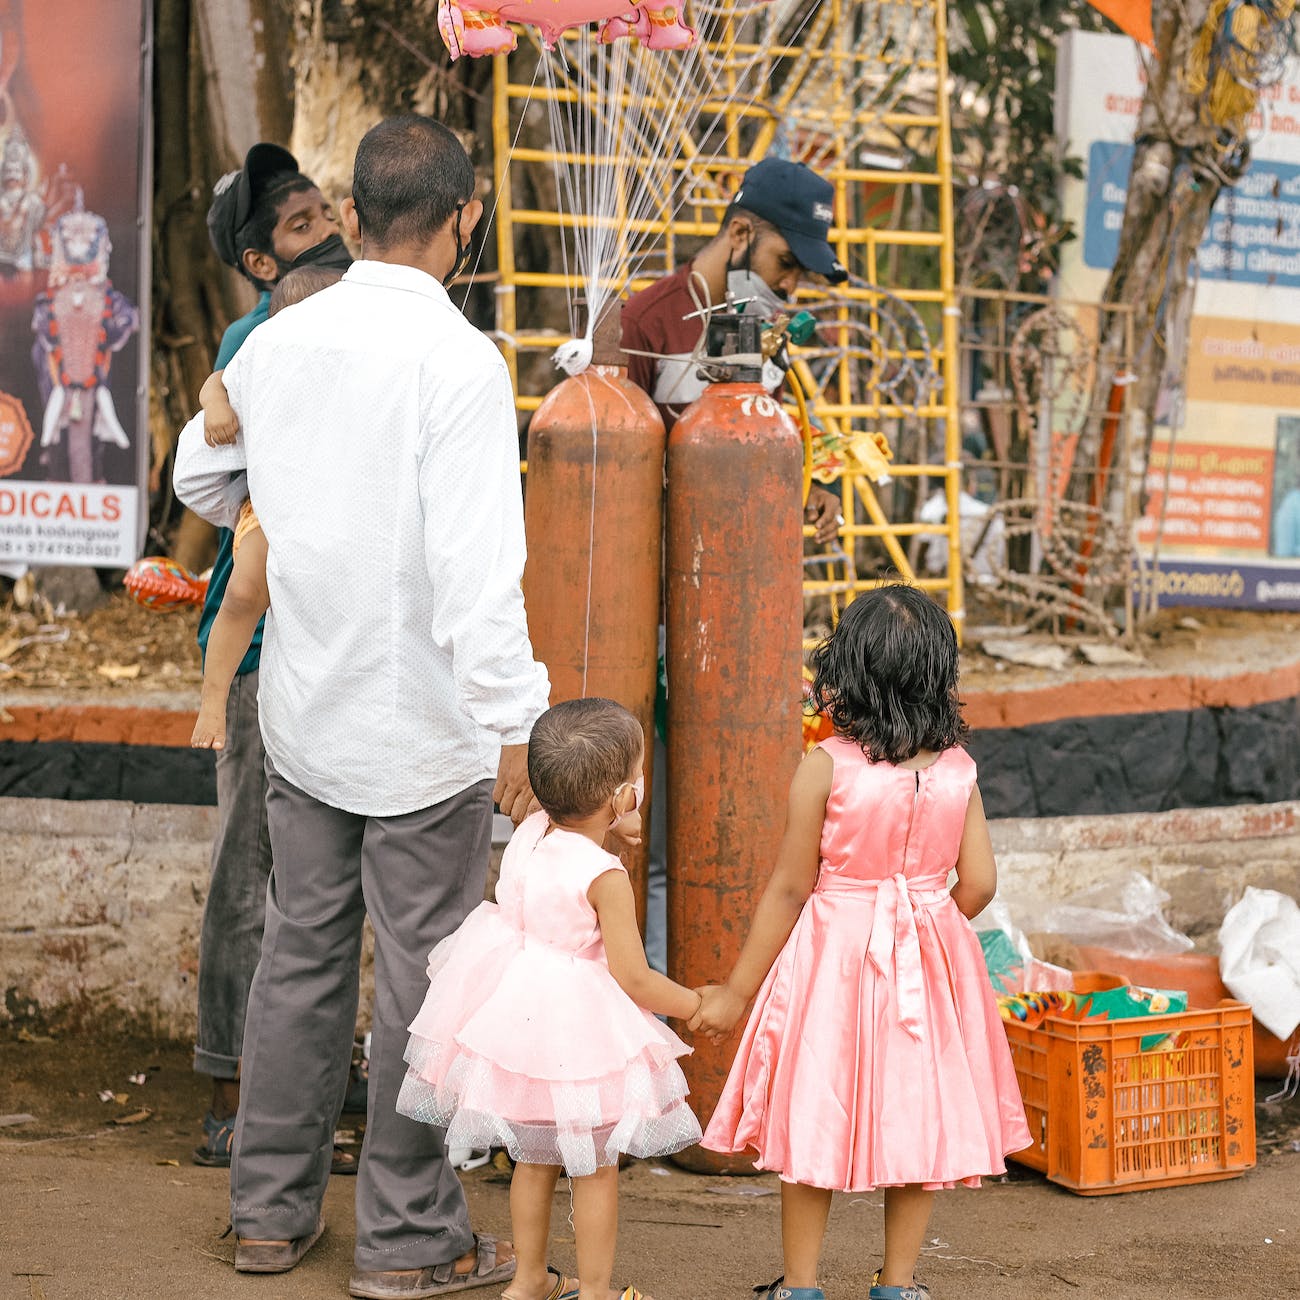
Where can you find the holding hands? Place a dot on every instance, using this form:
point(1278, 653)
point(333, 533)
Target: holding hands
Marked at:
point(721, 1008)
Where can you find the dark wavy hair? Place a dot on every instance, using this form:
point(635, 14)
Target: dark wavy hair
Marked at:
point(887, 676)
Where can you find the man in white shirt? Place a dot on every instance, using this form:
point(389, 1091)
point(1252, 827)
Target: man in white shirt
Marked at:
point(379, 438)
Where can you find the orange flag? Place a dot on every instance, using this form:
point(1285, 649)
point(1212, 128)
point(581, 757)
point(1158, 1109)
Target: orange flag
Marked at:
point(1132, 16)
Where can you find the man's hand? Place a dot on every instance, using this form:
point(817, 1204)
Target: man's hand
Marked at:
point(823, 512)
point(512, 793)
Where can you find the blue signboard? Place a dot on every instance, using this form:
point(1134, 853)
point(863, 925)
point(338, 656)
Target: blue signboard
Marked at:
point(1227, 582)
point(1253, 236)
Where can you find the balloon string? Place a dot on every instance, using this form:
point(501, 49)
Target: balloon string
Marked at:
point(591, 535)
point(496, 199)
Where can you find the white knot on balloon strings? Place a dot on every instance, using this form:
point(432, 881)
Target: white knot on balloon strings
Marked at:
point(573, 357)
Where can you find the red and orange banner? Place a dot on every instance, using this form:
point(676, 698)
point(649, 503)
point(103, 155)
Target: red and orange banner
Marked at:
point(74, 145)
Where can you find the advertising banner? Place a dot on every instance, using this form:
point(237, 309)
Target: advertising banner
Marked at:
point(74, 204)
point(1225, 497)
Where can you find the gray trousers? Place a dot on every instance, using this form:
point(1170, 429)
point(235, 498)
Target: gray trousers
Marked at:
point(417, 876)
point(241, 862)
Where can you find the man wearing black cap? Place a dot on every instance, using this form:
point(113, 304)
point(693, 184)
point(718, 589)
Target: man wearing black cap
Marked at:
point(773, 234)
point(265, 219)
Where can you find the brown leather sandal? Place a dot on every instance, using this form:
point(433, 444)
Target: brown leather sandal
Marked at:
point(434, 1280)
point(277, 1256)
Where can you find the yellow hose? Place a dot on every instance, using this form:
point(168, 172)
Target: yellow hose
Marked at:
point(805, 428)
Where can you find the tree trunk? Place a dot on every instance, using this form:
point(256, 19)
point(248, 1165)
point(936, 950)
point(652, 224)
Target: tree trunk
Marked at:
point(222, 83)
point(248, 81)
point(184, 330)
point(1182, 159)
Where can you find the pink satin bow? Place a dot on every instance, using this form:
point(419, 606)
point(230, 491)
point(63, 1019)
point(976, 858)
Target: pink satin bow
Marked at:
point(894, 948)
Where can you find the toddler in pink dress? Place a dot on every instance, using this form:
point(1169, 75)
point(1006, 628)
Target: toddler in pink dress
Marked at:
point(874, 1056)
point(538, 1033)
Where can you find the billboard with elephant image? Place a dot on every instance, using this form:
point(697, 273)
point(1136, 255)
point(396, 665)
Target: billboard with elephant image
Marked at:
point(74, 170)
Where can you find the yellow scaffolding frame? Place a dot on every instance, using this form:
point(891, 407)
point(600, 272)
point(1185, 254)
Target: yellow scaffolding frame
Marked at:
point(830, 96)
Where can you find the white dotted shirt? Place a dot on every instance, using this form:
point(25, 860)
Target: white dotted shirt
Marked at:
point(379, 438)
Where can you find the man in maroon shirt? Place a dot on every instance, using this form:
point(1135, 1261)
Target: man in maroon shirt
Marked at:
point(772, 235)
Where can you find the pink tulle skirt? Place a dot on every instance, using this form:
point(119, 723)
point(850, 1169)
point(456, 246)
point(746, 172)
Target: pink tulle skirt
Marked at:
point(538, 1050)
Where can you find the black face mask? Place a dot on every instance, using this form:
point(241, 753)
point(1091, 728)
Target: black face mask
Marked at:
point(330, 255)
point(462, 250)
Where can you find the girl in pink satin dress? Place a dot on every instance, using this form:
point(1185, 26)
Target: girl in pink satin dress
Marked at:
point(538, 1032)
point(874, 1056)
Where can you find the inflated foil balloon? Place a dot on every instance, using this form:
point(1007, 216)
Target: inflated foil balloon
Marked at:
point(157, 582)
point(480, 28)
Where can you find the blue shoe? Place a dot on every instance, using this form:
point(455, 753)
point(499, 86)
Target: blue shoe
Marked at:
point(354, 1100)
point(779, 1291)
point(218, 1137)
point(914, 1292)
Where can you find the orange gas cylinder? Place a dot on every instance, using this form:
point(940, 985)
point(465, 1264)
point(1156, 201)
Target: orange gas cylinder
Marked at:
point(592, 582)
point(733, 560)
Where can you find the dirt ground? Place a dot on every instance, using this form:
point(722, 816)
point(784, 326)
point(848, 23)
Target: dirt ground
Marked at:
point(123, 652)
point(93, 1208)
point(99, 1199)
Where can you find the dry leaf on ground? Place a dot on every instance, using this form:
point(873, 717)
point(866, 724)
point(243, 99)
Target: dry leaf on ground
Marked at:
point(119, 672)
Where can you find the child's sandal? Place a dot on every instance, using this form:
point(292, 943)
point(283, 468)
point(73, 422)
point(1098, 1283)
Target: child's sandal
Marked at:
point(779, 1291)
point(914, 1292)
point(565, 1288)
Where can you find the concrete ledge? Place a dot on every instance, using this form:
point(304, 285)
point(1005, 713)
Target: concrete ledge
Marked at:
point(1203, 858)
point(103, 900)
point(1146, 741)
point(1118, 696)
point(100, 724)
point(102, 908)
point(103, 905)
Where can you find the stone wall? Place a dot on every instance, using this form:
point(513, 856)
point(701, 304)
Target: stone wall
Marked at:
point(102, 900)
point(1203, 858)
point(101, 909)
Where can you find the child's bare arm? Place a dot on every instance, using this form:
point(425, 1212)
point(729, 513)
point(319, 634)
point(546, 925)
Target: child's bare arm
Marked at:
point(787, 890)
point(977, 872)
point(245, 601)
point(220, 423)
point(611, 895)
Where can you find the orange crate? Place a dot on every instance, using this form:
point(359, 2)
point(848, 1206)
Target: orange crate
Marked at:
point(1108, 1117)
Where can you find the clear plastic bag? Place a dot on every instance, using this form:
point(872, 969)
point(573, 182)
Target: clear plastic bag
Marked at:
point(1126, 916)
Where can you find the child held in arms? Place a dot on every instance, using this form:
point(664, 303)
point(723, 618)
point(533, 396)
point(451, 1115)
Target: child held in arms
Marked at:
point(247, 597)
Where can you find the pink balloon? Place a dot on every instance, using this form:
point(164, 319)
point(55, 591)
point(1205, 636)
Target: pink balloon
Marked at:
point(478, 27)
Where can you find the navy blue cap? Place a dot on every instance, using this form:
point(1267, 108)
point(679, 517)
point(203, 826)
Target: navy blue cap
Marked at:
point(235, 195)
point(800, 205)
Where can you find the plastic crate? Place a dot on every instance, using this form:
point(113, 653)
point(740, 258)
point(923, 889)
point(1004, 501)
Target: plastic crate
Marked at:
point(1108, 1117)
